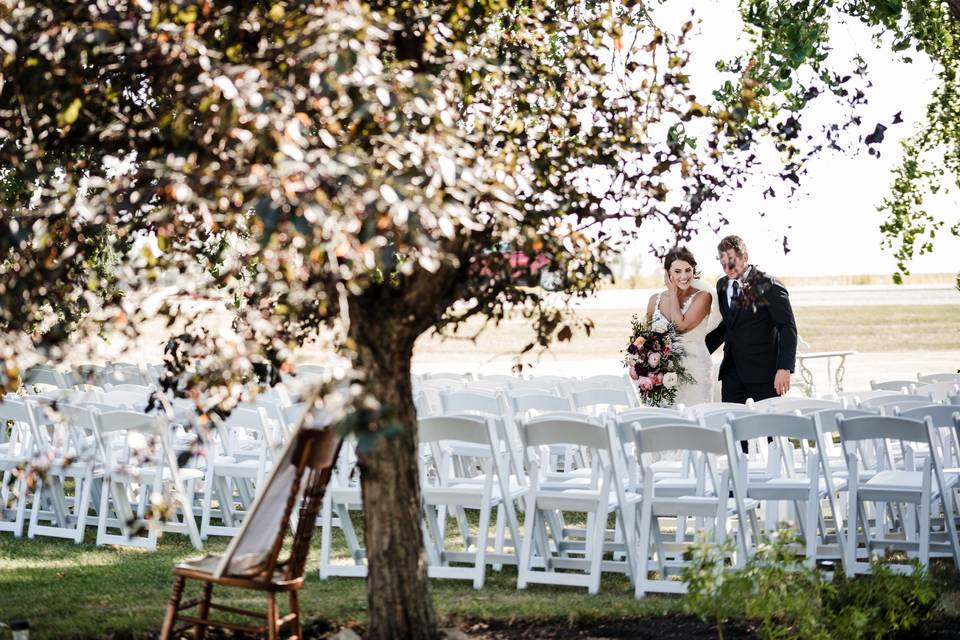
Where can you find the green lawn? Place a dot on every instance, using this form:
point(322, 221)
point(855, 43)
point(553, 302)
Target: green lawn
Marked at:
point(74, 591)
point(82, 591)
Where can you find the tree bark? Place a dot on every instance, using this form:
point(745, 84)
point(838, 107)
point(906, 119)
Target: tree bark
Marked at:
point(398, 591)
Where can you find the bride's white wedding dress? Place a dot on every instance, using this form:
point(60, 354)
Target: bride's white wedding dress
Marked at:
point(696, 359)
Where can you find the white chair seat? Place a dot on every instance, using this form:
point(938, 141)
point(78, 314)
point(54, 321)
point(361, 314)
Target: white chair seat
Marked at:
point(697, 505)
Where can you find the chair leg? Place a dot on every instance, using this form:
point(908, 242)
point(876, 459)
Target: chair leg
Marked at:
point(271, 616)
point(170, 619)
point(296, 625)
point(203, 610)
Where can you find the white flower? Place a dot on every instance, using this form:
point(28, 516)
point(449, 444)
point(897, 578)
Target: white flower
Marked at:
point(660, 326)
point(670, 380)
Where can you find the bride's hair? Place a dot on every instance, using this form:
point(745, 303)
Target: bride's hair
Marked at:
point(680, 253)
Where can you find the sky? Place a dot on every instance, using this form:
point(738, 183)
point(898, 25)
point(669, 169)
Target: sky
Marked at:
point(832, 224)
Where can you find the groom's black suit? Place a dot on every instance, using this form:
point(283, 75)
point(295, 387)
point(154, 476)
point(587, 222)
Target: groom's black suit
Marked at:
point(756, 342)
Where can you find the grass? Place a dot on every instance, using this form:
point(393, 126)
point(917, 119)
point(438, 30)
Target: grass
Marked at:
point(83, 591)
point(80, 591)
point(864, 329)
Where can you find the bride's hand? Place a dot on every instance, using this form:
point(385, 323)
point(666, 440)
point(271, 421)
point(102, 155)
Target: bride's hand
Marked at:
point(670, 284)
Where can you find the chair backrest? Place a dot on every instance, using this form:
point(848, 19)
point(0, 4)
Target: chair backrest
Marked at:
point(781, 405)
point(46, 376)
point(717, 407)
point(486, 386)
point(503, 380)
point(609, 396)
point(891, 400)
point(304, 467)
point(827, 418)
point(775, 425)
point(647, 412)
point(540, 402)
point(111, 421)
point(900, 386)
point(17, 410)
point(940, 377)
point(939, 391)
point(719, 417)
point(447, 375)
point(940, 414)
point(882, 428)
point(680, 436)
point(565, 428)
point(536, 385)
point(607, 380)
point(629, 421)
point(466, 401)
point(472, 429)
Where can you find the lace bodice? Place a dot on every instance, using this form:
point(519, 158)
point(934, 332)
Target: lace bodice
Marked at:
point(696, 360)
point(699, 332)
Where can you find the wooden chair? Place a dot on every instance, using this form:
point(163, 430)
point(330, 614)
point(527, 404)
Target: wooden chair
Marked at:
point(252, 559)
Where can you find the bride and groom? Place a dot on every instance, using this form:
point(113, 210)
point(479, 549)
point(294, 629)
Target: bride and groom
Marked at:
point(759, 336)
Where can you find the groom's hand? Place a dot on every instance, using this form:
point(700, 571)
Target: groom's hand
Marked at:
point(781, 382)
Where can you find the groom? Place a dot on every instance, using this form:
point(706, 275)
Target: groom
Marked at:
point(758, 332)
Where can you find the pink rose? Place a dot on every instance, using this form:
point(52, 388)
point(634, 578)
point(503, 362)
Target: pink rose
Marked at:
point(656, 379)
point(653, 359)
point(645, 383)
point(633, 373)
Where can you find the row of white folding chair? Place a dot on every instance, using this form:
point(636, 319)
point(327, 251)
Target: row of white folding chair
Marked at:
point(940, 377)
point(102, 450)
point(939, 391)
point(904, 498)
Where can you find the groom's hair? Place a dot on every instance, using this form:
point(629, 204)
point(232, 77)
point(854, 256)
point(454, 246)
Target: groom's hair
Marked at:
point(732, 242)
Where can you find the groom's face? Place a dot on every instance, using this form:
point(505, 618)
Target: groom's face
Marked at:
point(734, 264)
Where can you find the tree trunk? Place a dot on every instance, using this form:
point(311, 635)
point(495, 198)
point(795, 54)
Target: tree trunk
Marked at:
point(398, 591)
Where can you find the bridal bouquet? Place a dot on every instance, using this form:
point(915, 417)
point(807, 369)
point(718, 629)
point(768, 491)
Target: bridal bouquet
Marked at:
point(654, 360)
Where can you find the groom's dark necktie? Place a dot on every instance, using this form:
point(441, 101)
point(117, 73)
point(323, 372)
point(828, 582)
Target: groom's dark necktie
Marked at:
point(736, 291)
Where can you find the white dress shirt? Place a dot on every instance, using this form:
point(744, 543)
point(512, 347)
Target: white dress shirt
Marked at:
point(740, 280)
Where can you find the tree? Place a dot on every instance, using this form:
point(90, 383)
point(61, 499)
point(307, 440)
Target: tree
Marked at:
point(364, 169)
point(364, 172)
point(792, 65)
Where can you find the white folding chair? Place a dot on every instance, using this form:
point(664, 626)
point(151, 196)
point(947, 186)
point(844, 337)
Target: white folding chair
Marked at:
point(343, 497)
point(553, 553)
point(124, 439)
point(715, 498)
point(916, 490)
point(235, 473)
point(18, 416)
point(779, 404)
point(66, 439)
point(807, 481)
point(445, 488)
point(948, 439)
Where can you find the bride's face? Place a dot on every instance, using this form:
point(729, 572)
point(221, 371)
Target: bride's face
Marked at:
point(681, 273)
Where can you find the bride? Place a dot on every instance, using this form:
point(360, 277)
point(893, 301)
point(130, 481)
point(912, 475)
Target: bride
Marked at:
point(688, 308)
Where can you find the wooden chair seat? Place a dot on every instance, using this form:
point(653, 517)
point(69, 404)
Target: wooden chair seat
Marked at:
point(203, 569)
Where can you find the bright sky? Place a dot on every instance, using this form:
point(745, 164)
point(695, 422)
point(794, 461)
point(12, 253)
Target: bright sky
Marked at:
point(832, 224)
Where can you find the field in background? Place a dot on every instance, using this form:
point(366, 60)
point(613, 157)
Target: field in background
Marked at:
point(875, 328)
point(656, 280)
